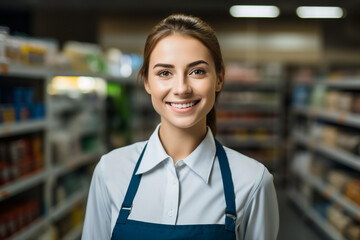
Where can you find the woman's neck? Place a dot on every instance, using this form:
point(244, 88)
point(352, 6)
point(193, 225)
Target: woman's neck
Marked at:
point(179, 143)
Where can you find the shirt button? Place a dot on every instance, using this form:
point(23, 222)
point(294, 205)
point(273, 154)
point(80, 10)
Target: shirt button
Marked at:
point(171, 213)
point(174, 181)
point(180, 163)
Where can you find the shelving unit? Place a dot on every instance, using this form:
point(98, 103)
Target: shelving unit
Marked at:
point(315, 119)
point(45, 179)
point(251, 119)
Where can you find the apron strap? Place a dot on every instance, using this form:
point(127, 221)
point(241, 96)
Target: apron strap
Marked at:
point(230, 211)
point(131, 192)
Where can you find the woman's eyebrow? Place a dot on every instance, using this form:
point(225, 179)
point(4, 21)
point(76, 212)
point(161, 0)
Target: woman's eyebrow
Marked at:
point(164, 65)
point(193, 64)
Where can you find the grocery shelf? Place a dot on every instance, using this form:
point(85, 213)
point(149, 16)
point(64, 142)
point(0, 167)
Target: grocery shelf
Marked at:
point(349, 119)
point(345, 83)
point(331, 193)
point(250, 123)
point(59, 211)
point(350, 83)
point(74, 233)
point(30, 231)
point(254, 107)
point(37, 71)
point(311, 214)
point(22, 184)
point(76, 162)
point(336, 154)
point(256, 86)
point(10, 129)
point(27, 71)
point(236, 142)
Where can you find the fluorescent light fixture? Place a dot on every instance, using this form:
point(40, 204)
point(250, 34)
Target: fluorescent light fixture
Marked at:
point(319, 12)
point(254, 11)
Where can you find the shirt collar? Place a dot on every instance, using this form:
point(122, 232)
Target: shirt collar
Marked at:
point(154, 153)
point(199, 161)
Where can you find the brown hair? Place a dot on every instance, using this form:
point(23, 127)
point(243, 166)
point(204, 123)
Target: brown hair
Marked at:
point(191, 26)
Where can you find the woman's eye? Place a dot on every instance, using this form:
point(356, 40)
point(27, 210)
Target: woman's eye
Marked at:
point(164, 74)
point(197, 72)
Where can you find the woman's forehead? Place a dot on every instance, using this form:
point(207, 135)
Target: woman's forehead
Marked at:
point(180, 48)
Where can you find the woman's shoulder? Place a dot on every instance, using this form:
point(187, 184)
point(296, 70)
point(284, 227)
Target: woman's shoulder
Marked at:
point(247, 172)
point(121, 159)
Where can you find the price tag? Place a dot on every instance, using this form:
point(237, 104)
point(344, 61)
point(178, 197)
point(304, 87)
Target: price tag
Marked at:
point(328, 192)
point(4, 194)
point(6, 131)
point(4, 68)
point(342, 118)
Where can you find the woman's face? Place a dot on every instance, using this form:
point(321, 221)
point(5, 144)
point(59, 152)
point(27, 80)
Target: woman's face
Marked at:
point(182, 81)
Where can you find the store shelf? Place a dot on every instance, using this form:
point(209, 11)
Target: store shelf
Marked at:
point(351, 83)
point(253, 123)
point(11, 129)
point(349, 119)
point(30, 231)
point(258, 86)
point(64, 208)
point(19, 70)
point(311, 214)
point(74, 233)
point(332, 194)
point(236, 142)
point(253, 107)
point(336, 154)
point(75, 162)
point(345, 83)
point(22, 184)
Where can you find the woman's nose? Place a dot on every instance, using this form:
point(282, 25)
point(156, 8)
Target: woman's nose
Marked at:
point(182, 86)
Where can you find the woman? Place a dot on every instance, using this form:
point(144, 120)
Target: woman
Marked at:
point(181, 183)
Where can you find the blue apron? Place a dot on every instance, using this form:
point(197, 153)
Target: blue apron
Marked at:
point(126, 229)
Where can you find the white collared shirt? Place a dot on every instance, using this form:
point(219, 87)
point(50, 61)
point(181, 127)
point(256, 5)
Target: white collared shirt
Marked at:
point(189, 192)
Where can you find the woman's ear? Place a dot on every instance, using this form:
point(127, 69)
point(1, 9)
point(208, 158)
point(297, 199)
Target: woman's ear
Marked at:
point(220, 80)
point(146, 85)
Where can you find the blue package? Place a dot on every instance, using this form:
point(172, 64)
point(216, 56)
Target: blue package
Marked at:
point(28, 95)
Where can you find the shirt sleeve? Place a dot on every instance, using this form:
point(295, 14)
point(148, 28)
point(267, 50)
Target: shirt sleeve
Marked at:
point(97, 224)
point(261, 220)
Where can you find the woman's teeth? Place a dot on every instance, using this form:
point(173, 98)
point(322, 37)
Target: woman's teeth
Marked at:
point(186, 105)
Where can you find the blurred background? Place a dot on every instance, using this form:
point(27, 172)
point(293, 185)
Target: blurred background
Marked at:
point(69, 93)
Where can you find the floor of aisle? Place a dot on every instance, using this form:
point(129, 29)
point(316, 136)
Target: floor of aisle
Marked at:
point(293, 224)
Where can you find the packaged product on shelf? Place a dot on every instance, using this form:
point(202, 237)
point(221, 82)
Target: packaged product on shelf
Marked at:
point(15, 216)
point(352, 190)
point(346, 102)
point(236, 72)
point(352, 231)
point(85, 57)
point(331, 100)
point(338, 179)
point(317, 97)
point(349, 142)
point(31, 51)
point(356, 106)
point(338, 219)
point(329, 135)
point(301, 95)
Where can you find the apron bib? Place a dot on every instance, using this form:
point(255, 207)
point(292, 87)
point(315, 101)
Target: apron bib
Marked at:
point(136, 230)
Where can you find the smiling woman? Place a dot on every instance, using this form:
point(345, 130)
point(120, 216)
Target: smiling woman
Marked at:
point(181, 183)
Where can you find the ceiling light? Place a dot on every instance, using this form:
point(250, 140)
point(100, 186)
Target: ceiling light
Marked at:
point(319, 12)
point(254, 11)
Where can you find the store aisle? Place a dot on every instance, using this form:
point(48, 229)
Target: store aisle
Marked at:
point(293, 225)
